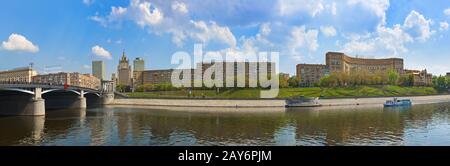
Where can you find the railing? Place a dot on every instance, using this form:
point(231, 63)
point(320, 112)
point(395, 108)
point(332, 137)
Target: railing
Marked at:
point(43, 84)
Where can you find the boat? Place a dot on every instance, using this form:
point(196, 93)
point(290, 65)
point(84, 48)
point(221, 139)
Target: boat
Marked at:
point(397, 103)
point(303, 102)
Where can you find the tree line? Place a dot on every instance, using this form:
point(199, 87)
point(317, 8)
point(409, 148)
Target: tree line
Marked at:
point(341, 79)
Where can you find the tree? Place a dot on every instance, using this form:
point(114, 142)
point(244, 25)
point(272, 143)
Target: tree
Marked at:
point(121, 87)
point(393, 77)
point(441, 82)
point(283, 82)
point(406, 80)
point(293, 81)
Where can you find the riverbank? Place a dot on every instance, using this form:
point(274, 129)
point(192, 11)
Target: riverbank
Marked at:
point(329, 93)
point(266, 103)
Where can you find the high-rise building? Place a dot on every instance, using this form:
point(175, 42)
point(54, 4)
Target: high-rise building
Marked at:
point(124, 71)
point(139, 64)
point(98, 69)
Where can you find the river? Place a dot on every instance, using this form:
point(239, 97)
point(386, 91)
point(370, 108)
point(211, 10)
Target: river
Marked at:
point(418, 125)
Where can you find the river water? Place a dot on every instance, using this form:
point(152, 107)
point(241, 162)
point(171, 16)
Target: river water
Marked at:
point(418, 125)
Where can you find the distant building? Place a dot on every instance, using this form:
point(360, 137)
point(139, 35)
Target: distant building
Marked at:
point(339, 62)
point(139, 64)
point(247, 67)
point(114, 78)
point(23, 75)
point(71, 79)
point(336, 62)
point(309, 74)
point(124, 71)
point(164, 76)
point(421, 78)
point(448, 74)
point(98, 69)
point(153, 77)
point(284, 76)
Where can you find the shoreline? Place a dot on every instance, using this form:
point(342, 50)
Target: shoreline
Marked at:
point(272, 103)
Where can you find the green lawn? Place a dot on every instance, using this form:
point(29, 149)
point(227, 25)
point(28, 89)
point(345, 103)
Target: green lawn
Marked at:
point(358, 91)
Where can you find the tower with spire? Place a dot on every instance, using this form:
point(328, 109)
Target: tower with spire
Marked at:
point(124, 71)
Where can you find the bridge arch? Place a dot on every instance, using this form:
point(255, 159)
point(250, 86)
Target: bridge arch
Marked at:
point(61, 90)
point(94, 93)
point(18, 90)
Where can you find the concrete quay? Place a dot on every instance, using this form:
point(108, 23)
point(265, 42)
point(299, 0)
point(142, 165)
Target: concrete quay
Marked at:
point(255, 103)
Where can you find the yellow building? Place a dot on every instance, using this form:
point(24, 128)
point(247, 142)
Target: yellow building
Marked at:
point(339, 62)
point(20, 75)
point(421, 78)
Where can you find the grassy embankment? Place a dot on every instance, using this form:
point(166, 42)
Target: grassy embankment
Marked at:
point(359, 91)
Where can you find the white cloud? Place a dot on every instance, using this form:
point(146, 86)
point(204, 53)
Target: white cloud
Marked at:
point(302, 40)
point(443, 26)
point(88, 2)
point(378, 7)
point(385, 41)
point(417, 26)
point(289, 7)
point(328, 31)
point(179, 7)
point(86, 67)
point(209, 32)
point(332, 8)
point(265, 29)
point(392, 40)
point(141, 12)
point(17, 42)
point(101, 52)
point(447, 11)
point(151, 17)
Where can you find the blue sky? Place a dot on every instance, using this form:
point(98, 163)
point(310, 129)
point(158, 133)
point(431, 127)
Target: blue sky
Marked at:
point(70, 34)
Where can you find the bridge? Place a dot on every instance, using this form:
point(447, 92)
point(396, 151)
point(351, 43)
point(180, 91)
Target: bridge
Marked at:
point(33, 99)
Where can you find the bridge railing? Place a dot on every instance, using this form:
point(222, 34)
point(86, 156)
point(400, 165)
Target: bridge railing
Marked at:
point(43, 84)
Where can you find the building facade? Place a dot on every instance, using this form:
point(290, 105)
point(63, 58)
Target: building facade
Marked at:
point(164, 76)
point(85, 81)
point(114, 79)
point(139, 64)
point(124, 71)
point(448, 74)
point(310, 74)
point(153, 77)
point(336, 62)
point(285, 76)
point(249, 69)
point(98, 69)
point(339, 62)
point(71, 79)
point(20, 75)
point(421, 78)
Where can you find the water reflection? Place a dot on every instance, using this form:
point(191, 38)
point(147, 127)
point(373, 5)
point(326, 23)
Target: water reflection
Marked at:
point(417, 125)
point(21, 130)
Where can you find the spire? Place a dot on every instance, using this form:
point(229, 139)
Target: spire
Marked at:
point(124, 58)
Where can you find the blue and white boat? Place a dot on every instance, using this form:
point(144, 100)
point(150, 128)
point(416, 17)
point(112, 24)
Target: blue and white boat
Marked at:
point(397, 103)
